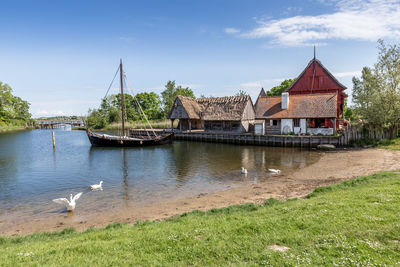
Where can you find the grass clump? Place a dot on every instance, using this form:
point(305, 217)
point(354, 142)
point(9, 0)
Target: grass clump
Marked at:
point(79, 128)
point(349, 224)
point(392, 144)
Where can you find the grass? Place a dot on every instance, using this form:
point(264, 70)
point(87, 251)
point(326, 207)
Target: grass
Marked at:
point(392, 144)
point(355, 223)
point(12, 128)
point(164, 124)
point(140, 125)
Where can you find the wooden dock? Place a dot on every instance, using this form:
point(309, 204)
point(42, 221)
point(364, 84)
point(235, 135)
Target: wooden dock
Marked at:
point(43, 124)
point(259, 140)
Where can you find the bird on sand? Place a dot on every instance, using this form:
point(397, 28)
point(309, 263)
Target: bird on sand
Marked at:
point(274, 171)
point(97, 186)
point(69, 204)
point(244, 171)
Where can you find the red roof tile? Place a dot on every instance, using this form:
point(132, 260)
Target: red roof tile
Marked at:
point(300, 106)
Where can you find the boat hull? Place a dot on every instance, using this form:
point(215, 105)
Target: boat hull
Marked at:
point(106, 140)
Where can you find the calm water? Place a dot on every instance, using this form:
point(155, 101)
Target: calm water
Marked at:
point(32, 174)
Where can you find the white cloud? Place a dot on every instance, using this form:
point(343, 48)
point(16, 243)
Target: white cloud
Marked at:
point(231, 30)
point(259, 84)
point(46, 113)
point(192, 85)
point(353, 19)
point(347, 74)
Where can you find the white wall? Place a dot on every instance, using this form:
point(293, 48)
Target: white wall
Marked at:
point(259, 128)
point(303, 127)
point(320, 131)
point(288, 124)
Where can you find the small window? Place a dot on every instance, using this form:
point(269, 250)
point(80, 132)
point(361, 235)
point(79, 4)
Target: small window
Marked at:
point(274, 122)
point(296, 122)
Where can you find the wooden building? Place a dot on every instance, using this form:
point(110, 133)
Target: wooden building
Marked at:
point(313, 104)
point(305, 114)
point(213, 114)
point(316, 79)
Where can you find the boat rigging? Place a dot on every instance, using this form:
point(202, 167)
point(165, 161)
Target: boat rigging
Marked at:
point(99, 139)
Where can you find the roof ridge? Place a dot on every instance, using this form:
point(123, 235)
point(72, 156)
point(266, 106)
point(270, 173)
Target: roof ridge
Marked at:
point(323, 68)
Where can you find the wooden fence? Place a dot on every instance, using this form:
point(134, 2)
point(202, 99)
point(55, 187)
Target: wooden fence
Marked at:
point(356, 133)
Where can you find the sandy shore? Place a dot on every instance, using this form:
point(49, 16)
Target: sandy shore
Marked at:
point(330, 169)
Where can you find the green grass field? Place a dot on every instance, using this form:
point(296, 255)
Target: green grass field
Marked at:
point(355, 223)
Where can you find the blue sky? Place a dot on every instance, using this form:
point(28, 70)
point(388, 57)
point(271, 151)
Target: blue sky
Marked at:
point(62, 55)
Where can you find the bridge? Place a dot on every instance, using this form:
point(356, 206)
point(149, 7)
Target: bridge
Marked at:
point(43, 124)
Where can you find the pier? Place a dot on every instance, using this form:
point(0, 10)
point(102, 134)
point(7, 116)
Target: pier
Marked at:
point(251, 139)
point(43, 124)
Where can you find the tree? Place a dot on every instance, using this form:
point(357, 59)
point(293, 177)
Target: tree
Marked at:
point(150, 104)
point(348, 111)
point(278, 90)
point(110, 109)
point(376, 95)
point(241, 93)
point(171, 92)
point(12, 108)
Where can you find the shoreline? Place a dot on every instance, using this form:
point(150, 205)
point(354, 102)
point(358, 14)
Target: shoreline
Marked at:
point(330, 169)
point(9, 129)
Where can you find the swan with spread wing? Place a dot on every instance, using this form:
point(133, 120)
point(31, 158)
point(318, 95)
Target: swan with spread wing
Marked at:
point(69, 204)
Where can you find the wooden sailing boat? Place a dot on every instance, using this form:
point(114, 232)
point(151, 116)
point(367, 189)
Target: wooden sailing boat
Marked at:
point(99, 139)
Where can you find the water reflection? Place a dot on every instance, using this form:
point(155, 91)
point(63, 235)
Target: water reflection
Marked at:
point(31, 173)
point(125, 178)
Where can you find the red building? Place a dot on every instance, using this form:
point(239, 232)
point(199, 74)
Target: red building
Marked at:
point(316, 79)
point(313, 104)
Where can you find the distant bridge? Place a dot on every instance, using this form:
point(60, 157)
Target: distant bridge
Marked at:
point(43, 124)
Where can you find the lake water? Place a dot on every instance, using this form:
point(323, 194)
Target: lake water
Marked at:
point(32, 173)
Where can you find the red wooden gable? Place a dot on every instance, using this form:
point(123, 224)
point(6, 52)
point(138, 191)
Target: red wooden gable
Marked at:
point(316, 79)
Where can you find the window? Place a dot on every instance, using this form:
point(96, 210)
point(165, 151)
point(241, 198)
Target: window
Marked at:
point(296, 122)
point(274, 122)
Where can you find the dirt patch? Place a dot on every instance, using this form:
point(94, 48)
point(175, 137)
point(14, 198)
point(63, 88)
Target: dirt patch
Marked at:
point(278, 248)
point(330, 169)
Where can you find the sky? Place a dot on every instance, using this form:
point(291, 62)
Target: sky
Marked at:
point(62, 55)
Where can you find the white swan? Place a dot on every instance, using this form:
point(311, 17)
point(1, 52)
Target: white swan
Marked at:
point(97, 186)
point(69, 204)
point(244, 171)
point(274, 171)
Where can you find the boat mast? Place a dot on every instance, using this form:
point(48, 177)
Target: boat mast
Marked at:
point(122, 97)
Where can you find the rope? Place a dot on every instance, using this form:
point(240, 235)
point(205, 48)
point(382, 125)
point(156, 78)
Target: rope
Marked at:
point(112, 82)
point(144, 115)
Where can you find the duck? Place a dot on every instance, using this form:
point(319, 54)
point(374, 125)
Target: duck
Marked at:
point(97, 186)
point(69, 204)
point(244, 171)
point(274, 171)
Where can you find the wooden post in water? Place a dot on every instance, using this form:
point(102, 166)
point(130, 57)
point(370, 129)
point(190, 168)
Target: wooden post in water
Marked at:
point(121, 73)
point(54, 140)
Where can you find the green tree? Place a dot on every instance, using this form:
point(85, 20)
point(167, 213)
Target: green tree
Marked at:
point(348, 111)
point(12, 108)
point(171, 92)
point(150, 104)
point(376, 95)
point(110, 109)
point(241, 93)
point(279, 89)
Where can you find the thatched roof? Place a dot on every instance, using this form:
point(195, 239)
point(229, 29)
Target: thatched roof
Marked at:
point(229, 108)
point(191, 106)
point(300, 106)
